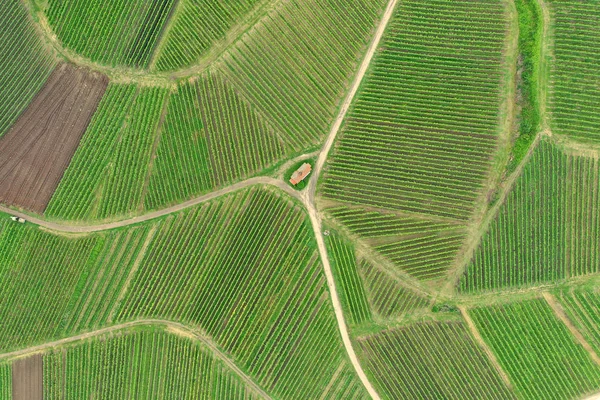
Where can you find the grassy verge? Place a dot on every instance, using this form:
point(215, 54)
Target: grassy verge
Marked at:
point(528, 70)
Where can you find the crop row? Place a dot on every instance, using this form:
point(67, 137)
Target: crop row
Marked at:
point(422, 247)
point(423, 129)
point(112, 32)
point(388, 298)
point(198, 25)
point(5, 382)
point(351, 290)
point(144, 364)
point(430, 360)
point(246, 270)
point(295, 64)
point(583, 309)
point(575, 94)
point(537, 351)
point(25, 64)
point(548, 228)
point(147, 148)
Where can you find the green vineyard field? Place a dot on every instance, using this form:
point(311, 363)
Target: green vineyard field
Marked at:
point(537, 351)
point(197, 26)
point(110, 32)
point(431, 360)
point(25, 64)
point(583, 308)
point(424, 146)
point(5, 382)
point(575, 93)
point(142, 364)
point(547, 230)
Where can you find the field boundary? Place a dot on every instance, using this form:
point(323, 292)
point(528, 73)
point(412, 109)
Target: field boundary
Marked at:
point(562, 316)
point(488, 351)
point(168, 326)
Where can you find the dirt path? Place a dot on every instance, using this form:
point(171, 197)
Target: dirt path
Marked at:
point(560, 313)
point(309, 199)
point(74, 228)
point(169, 326)
point(491, 356)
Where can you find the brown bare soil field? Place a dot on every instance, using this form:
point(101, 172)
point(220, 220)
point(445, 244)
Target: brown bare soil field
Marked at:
point(36, 151)
point(27, 378)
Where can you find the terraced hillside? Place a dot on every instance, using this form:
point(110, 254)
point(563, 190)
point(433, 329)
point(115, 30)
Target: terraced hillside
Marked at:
point(417, 146)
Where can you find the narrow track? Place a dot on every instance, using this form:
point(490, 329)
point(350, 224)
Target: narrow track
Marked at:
point(170, 326)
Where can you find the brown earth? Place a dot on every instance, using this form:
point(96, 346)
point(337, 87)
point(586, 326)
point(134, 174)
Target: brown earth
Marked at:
point(27, 378)
point(36, 151)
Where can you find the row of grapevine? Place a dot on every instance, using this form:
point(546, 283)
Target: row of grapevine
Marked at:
point(245, 268)
point(111, 32)
point(583, 309)
point(142, 364)
point(548, 228)
point(25, 63)
point(423, 129)
point(537, 351)
point(422, 247)
point(295, 64)
point(350, 287)
point(5, 382)
point(575, 93)
point(437, 360)
point(147, 148)
point(54, 286)
point(388, 298)
point(197, 25)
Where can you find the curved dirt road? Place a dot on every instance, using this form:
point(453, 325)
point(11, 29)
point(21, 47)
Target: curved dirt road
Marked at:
point(56, 226)
point(172, 327)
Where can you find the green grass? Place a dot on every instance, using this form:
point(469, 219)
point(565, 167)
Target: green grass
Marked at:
point(198, 25)
point(110, 32)
point(349, 285)
point(436, 360)
point(530, 42)
point(575, 92)
point(547, 230)
point(145, 363)
point(303, 184)
point(536, 350)
point(25, 63)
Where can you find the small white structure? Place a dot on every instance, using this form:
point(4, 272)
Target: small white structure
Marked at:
point(18, 219)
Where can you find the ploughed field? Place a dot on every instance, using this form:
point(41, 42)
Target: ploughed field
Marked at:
point(37, 149)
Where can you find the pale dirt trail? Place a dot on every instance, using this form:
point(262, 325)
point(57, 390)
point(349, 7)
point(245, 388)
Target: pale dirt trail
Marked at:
point(73, 228)
point(560, 313)
point(310, 197)
point(172, 327)
point(491, 356)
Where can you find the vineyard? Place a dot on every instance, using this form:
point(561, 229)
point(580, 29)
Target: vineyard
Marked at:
point(583, 308)
point(5, 382)
point(423, 129)
point(537, 351)
point(144, 363)
point(197, 25)
point(547, 230)
point(575, 94)
point(110, 32)
point(22, 74)
point(430, 360)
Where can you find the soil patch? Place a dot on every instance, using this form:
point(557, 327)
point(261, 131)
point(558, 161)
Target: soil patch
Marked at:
point(36, 151)
point(27, 378)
